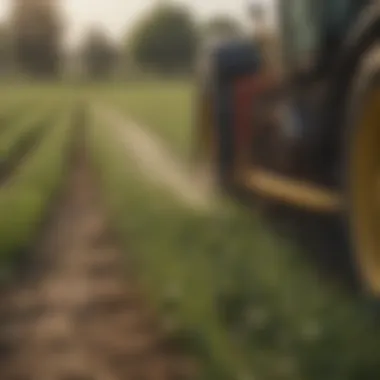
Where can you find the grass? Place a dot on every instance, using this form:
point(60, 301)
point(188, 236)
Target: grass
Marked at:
point(25, 201)
point(11, 111)
point(166, 108)
point(20, 136)
point(240, 299)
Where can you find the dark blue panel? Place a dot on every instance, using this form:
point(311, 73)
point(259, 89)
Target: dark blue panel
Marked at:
point(235, 59)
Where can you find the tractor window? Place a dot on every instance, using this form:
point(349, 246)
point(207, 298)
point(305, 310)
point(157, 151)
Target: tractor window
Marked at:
point(338, 15)
point(301, 19)
point(314, 27)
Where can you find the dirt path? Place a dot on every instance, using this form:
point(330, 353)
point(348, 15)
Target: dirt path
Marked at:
point(157, 163)
point(76, 316)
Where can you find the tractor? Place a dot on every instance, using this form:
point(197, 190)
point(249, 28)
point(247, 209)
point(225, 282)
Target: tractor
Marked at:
point(307, 135)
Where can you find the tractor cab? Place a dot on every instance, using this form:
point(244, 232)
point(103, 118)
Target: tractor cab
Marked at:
point(258, 116)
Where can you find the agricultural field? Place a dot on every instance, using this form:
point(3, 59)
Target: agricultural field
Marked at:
point(137, 271)
point(245, 301)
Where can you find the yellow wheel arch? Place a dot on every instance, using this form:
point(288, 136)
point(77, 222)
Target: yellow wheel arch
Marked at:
point(364, 174)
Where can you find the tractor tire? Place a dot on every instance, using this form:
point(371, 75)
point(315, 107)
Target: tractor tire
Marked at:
point(361, 171)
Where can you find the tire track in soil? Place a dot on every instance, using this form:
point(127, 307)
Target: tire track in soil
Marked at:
point(76, 315)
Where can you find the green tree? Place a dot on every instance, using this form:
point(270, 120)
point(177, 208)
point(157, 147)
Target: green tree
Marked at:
point(36, 32)
point(166, 40)
point(99, 54)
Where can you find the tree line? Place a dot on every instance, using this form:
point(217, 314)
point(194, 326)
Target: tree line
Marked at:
point(165, 40)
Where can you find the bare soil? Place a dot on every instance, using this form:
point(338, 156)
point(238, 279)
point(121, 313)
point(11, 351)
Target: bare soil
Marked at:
point(79, 313)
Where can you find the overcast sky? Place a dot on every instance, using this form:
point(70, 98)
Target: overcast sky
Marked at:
point(118, 16)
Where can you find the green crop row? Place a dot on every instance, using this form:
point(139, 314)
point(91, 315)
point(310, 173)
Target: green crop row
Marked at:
point(238, 298)
point(25, 201)
point(19, 132)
